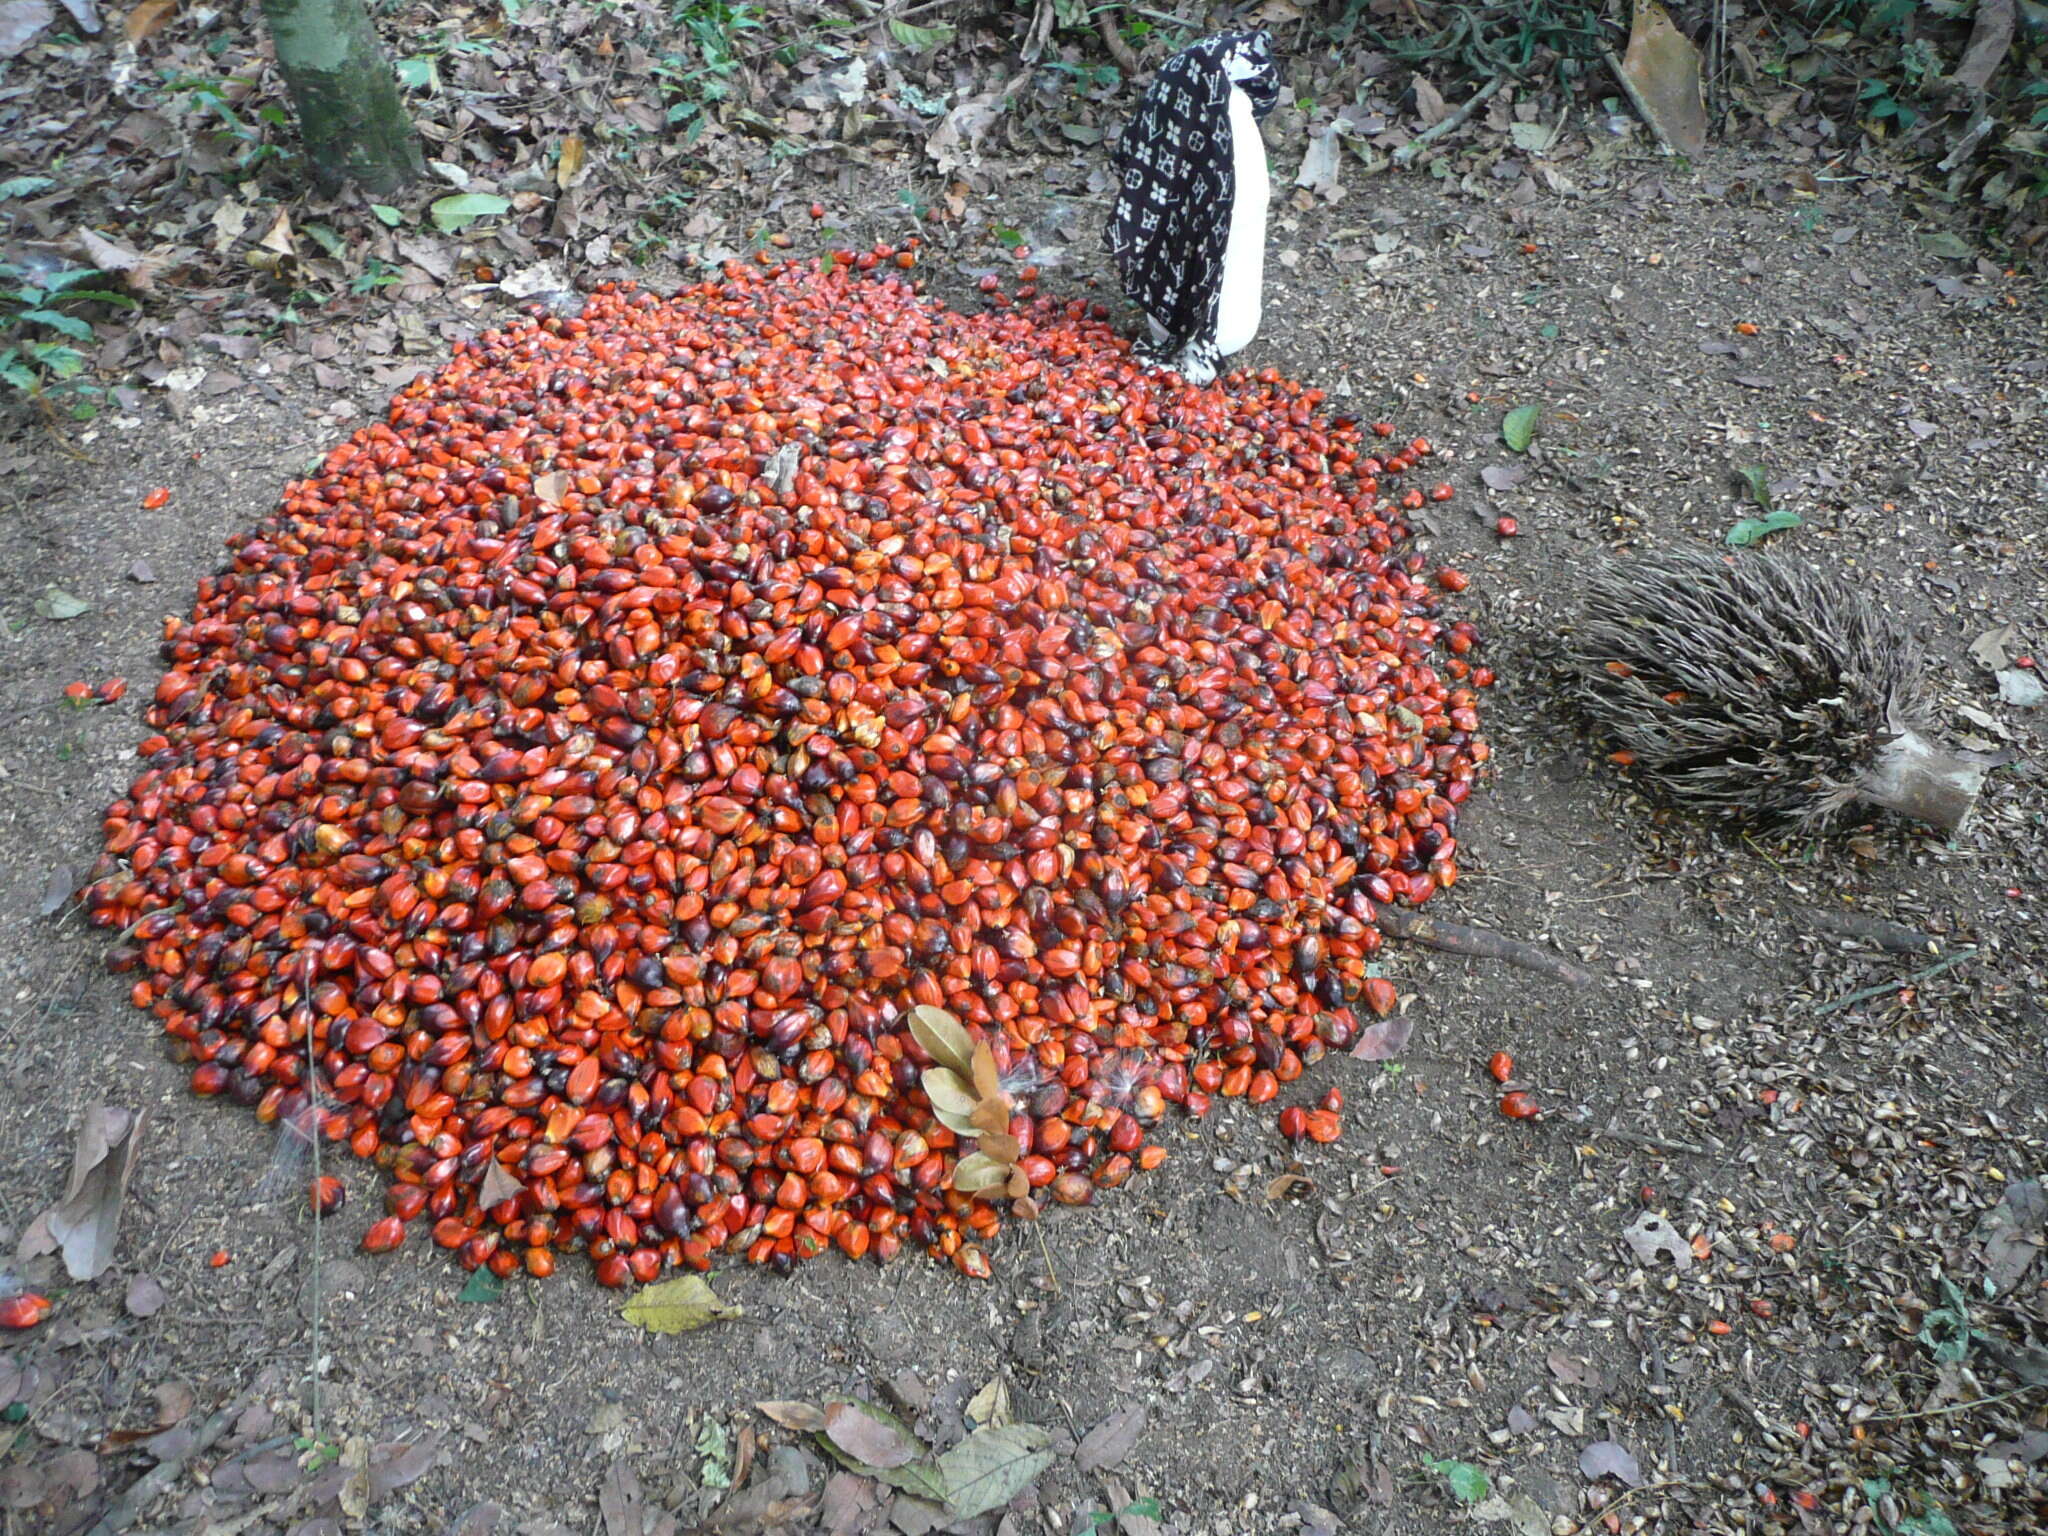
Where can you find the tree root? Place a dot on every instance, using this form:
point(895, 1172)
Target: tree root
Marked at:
point(1479, 943)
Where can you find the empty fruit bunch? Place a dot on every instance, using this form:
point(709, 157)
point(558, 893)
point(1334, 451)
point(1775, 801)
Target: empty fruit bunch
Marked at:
point(591, 767)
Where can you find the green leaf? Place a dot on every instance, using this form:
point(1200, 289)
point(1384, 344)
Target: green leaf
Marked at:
point(943, 1038)
point(465, 208)
point(1466, 1480)
point(101, 296)
point(1946, 1330)
point(679, 1306)
point(325, 238)
point(390, 216)
point(1759, 482)
point(1751, 529)
point(992, 1466)
point(920, 39)
point(1010, 237)
point(22, 186)
point(56, 603)
point(56, 320)
point(418, 74)
point(483, 1288)
point(69, 278)
point(1518, 427)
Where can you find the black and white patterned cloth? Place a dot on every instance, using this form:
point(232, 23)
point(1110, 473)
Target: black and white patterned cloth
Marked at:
point(1171, 223)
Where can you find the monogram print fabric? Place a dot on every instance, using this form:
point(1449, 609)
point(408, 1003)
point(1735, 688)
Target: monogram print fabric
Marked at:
point(1171, 222)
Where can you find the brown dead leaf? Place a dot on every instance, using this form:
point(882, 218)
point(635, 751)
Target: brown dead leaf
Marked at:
point(1661, 72)
point(145, 1296)
point(1286, 1184)
point(1385, 1040)
point(136, 271)
point(85, 1223)
point(987, 1081)
point(552, 487)
point(955, 143)
point(499, 1186)
point(1429, 103)
point(871, 1435)
point(148, 19)
point(569, 165)
point(1108, 1443)
point(804, 1418)
point(174, 1401)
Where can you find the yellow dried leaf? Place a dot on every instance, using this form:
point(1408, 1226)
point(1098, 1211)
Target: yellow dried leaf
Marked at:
point(570, 165)
point(987, 1081)
point(679, 1306)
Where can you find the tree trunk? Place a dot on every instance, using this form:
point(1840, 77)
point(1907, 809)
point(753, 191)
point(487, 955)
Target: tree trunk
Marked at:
point(351, 119)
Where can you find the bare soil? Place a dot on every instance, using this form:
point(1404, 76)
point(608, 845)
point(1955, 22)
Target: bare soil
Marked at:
point(1443, 1283)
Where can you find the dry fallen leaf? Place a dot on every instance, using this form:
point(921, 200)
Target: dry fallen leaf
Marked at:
point(1603, 1458)
point(805, 1418)
point(1429, 103)
point(145, 1296)
point(570, 165)
point(85, 1223)
point(1108, 1443)
point(278, 237)
point(498, 1186)
point(1385, 1040)
point(136, 271)
point(147, 19)
point(872, 1436)
point(1661, 72)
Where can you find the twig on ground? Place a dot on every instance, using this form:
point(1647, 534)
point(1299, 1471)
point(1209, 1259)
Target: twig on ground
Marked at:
point(162, 1477)
point(1650, 1143)
point(1662, 1381)
point(1865, 929)
point(1883, 987)
point(1479, 943)
point(1406, 154)
point(1948, 1408)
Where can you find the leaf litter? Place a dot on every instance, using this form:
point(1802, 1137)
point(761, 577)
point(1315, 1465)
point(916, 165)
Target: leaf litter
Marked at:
point(85, 1224)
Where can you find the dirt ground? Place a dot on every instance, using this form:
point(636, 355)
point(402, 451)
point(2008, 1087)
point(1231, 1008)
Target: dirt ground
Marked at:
point(1443, 1284)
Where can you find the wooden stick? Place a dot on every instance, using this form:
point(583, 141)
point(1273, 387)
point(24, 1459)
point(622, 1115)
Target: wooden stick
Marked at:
point(1406, 154)
point(1480, 943)
point(1864, 929)
point(1895, 986)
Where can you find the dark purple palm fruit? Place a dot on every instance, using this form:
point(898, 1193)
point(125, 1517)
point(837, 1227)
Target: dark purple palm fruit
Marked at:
point(1762, 687)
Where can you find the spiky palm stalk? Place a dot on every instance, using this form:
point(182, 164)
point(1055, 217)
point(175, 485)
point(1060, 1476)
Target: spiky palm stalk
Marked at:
point(1762, 687)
